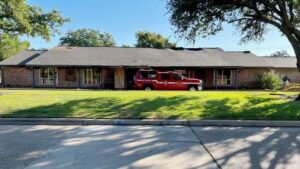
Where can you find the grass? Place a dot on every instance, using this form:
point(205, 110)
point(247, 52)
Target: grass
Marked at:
point(155, 104)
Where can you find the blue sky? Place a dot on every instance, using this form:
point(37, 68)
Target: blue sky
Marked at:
point(122, 18)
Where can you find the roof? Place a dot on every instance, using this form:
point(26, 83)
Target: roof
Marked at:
point(116, 56)
point(281, 62)
point(61, 56)
point(21, 58)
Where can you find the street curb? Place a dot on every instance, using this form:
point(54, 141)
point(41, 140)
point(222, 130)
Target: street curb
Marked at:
point(73, 121)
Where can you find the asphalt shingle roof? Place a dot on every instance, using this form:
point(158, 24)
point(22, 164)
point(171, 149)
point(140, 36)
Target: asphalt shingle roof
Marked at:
point(114, 56)
point(281, 62)
point(21, 58)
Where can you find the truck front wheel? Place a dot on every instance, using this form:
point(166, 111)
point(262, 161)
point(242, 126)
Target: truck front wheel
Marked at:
point(192, 88)
point(148, 88)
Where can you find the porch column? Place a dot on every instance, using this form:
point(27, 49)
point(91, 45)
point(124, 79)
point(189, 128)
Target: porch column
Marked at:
point(33, 78)
point(54, 79)
point(78, 77)
point(1, 77)
point(119, 78)
point(215, 80)
point(237, 79)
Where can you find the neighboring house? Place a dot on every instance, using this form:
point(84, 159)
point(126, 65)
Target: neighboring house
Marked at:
point(114, 67)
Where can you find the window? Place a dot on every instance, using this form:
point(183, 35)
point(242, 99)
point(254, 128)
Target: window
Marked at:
point(176, 76)
point(165, 76)
point(223, 77)
point(148, 75)
point(91, 76)
point(48, 76)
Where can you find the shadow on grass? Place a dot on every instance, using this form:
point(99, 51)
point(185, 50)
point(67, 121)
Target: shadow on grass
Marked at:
point(254, 108)
point(177, 107)
point(107, 108)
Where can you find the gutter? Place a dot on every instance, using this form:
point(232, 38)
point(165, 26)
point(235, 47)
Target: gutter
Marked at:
point(157, 122)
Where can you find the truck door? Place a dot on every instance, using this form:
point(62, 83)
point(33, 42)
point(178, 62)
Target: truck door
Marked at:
point(163, 81)
point(177, 82)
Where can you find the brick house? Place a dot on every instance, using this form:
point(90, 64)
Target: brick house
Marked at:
point(114, 67)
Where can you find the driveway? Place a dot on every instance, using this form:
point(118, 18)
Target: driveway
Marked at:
point(89, 147)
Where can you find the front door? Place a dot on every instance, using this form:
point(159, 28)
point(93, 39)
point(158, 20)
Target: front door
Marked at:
point(177, 82)
point(223, 78)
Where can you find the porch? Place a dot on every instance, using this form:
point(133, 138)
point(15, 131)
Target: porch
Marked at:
point(123, 78)
point(74, 77)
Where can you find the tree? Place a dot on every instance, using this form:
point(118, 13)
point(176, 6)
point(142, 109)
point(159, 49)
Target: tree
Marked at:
point(19, 18)
point(251, 18)
point(87, 38)
point(125, 46)
point(282, 53)
point(11, 45)
point(152, 40)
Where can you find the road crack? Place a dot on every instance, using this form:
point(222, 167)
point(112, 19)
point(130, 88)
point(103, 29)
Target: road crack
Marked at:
point(206, 149)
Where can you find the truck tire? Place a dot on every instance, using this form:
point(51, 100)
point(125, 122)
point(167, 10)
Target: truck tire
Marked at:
point(192, 88)
point(148, 88)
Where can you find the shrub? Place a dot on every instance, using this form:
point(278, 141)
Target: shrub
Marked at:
point(270, 80)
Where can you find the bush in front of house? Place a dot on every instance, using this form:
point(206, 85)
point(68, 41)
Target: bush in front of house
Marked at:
point(270, 80)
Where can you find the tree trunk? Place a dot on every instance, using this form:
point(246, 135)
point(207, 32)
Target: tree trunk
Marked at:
point(298, 98)
point(297, 52)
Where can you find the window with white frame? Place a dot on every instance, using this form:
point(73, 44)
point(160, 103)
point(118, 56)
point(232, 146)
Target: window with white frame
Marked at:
point(223, 77)
point(91, 76)
point(48, 76)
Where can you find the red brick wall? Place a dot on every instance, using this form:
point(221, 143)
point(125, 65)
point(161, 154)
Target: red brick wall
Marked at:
point(209, 78)
point(292, 74)
point(248, 77)
point(63, 82)
point(17, 76)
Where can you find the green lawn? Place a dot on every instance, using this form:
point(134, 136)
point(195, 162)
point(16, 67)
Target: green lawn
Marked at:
point(155, 104)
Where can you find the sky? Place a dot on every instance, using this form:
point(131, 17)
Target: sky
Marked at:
point(123, 18)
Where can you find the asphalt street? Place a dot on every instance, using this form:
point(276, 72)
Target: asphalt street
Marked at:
point(170, 147)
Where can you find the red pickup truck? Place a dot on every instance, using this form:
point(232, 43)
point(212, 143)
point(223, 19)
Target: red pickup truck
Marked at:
point(165, 80)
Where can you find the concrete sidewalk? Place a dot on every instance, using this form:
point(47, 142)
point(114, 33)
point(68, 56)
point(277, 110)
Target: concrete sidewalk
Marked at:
point(110, 147)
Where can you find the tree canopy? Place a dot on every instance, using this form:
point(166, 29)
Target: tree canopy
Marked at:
point(192, 18)
point(152, 40)
point(19, 18)
point(87, 38)
point(11, 45)
point(282, 53)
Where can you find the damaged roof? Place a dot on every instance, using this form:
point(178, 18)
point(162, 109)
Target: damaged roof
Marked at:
point(116, 56)
point(21, 58)
point(133, 57)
